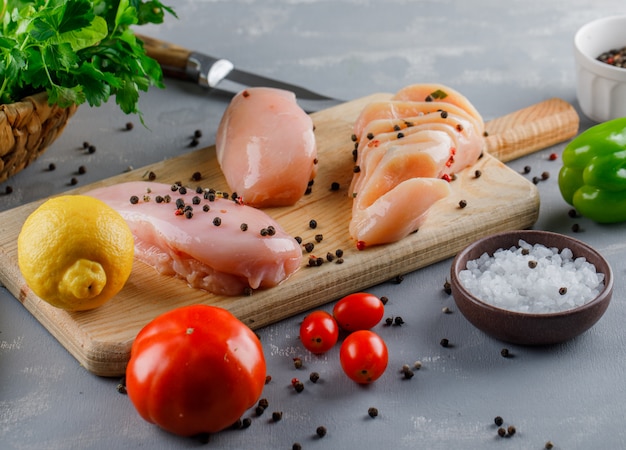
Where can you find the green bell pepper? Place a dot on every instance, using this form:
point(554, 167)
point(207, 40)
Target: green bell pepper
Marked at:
point(593, 176)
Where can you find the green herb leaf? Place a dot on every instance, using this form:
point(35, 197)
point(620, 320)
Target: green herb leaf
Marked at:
point(438, 94)
point(77, 51)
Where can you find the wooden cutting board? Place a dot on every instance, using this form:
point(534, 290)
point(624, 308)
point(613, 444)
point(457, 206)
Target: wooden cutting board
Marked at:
point(500, 199)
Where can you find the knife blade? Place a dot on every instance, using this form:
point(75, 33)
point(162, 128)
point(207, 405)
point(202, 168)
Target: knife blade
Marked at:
point(220, 74)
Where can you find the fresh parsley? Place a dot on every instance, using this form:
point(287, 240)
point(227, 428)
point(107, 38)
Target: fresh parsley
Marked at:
point(77, 51)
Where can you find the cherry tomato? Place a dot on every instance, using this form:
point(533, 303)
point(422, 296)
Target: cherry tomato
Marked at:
point(363, 356)
point(358, 311)
point(319, 332)
point(195, 369)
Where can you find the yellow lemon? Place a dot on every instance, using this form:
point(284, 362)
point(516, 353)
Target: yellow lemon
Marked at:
point(75, 252)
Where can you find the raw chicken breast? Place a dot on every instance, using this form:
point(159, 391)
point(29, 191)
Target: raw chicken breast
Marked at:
point(397, 213)
point(266, 147)
point(208, 248)
point(407, 150)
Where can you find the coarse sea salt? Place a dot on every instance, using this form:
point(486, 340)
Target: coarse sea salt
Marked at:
point(532, 278)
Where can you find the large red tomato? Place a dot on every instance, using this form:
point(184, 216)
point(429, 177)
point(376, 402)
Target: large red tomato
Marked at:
point(195, 369)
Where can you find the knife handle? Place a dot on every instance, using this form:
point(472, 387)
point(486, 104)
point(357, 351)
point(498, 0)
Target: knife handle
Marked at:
point(171, 57)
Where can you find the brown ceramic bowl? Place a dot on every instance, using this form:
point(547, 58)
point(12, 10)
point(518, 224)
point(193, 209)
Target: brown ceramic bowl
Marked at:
point(530, 328)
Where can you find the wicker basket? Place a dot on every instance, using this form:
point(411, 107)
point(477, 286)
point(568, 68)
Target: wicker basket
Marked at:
point(27, 128)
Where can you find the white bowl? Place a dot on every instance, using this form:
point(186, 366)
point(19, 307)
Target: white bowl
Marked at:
point(600, 87)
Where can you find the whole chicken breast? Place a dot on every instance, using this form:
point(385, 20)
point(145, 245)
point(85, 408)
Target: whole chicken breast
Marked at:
point(266, 147)
point(215, 244)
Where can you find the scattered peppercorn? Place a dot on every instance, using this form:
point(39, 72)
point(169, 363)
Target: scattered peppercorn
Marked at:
point(197, 134)
point(549, 445)
point(51, 167)
point(511, 430)
point(217, 221)
point(389, 321)
point(545, 175)
point(398, 321)
point(91, 149)
point(446, 310)
point(526, 169)
point(498, 420)
point(384, 300)
point(268, 378)
point(505, 353)
point(121, 386)
point(151, 176)
point(339, 253)
point(296, 446)
point(196, 176)
point(298, 386)
point(129, 126)
point(447, 287)
point(277, 415)
point(462, 204)
point(194, 142)
point(297, 362)
point(477, 173)
point(536, 180)
point(321, 431)
point(309, 246)
point(417, 365)
point(312, 224)
point(82, 170)
point(314, 377)
point(74, 181)
point(576, 228)
point(8, 189)
point(525, 251)
point(330, 257)
point(339, 261)
point(259, 410)
point(334, 186)
point(263, 403)
point(444, 342)
point(195, 200)
point(398, 279)
point(553, 156)
point(532, 263)
point(501, 432)
point(407, 372)
point(182, 190)
point(563, 290)
point(372, 412)
point(572, 213)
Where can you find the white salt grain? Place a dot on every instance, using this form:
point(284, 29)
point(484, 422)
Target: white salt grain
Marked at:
point(506, 280)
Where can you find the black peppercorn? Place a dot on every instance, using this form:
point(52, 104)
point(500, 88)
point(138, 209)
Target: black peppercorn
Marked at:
point(321, 431)
point(498, 420)
point(372, 412)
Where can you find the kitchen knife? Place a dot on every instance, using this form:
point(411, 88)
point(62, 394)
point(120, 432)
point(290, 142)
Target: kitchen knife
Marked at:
point(221, 76)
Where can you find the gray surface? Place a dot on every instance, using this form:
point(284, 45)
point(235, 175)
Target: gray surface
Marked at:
point(503, 56)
